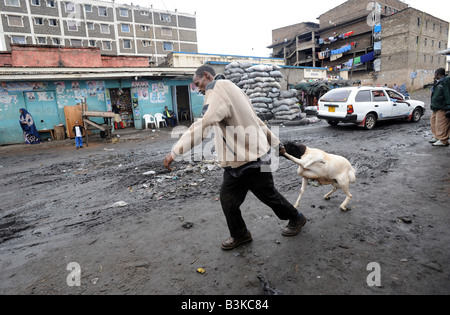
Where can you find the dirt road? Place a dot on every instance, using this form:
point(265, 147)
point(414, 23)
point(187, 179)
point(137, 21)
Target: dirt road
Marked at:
point(58, 206)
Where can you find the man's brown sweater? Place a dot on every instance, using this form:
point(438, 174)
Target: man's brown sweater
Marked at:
point(240, 136)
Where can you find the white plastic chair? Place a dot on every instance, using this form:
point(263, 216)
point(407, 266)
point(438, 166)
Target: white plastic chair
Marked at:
point(149, 119)
point(160, 119)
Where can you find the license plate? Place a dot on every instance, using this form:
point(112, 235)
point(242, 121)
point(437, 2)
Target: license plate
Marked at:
point(331, 109)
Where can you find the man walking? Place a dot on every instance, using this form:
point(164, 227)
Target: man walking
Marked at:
point(440, 104)
point(228, 108)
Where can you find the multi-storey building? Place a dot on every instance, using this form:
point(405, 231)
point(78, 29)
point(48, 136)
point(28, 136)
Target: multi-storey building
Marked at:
point(411, 41)
point(382, 42)
point(117, 29)
point(297, 44)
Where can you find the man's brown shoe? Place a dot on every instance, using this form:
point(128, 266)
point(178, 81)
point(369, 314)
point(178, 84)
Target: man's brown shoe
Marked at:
point(233, 243)
point(294, 227)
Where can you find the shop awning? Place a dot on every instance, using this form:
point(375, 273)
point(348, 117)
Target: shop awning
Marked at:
point(31, 74)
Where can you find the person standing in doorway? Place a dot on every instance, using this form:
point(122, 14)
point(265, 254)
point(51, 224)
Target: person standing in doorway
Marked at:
point(78, 131)
point(30, 133)
point(440, 104)
point(228, 108)
point(117, 118)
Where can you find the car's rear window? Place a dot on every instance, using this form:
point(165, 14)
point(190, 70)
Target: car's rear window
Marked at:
point(338, 95)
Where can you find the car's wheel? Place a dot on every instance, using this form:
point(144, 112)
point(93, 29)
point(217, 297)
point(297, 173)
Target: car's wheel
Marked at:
point(370, 122)
point(333, 123)
point(417, 115)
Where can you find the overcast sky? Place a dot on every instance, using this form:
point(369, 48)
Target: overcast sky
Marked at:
point(244, 27)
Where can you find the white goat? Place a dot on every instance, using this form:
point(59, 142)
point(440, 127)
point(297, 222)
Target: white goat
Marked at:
point(327, 169)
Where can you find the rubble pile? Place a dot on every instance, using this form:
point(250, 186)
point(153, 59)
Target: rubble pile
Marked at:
point(262, 85)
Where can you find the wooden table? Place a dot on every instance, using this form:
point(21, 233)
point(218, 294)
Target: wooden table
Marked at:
point(90, 124)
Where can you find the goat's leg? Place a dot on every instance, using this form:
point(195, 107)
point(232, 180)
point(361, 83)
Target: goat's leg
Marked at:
point(304, 184)
point(328, 196)
point(346, 190)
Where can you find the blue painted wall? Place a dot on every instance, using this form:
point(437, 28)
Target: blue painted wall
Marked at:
point(48, 99)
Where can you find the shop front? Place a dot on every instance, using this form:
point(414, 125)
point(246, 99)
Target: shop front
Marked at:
point(49, 102)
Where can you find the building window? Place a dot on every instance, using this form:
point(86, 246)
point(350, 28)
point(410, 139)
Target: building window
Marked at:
point(51, 4)
point(167, 46)
point(432, 58)
point(165, 18)
point(88, 7)
point(146, 13)
point(56, 41)
point(166, 31)
point(76, 43)
point(104, 28)
point(15, 21)
point(12, 3)
point(36, 2)
point(123, 12)
point(102, 11)
point(127, 44)
point(417, 40)
point(91, 43)
point(53, 22)
point(72, 26)
point(70, 7)
point(425, 41)
point(107, 46)
point(18, 40)
point(125, 28)
point(424, 58)
point(90, 25)
point(145, 28)
point(38, 21)
point(42, 40)
point(146, 43)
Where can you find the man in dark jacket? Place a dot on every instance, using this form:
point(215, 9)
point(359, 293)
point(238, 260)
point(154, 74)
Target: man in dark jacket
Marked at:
point(170, 117)
point(440, 105)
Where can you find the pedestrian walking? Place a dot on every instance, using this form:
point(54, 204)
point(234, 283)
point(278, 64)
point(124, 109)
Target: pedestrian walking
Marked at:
point(440, 105)
point(228, 108)
point(30, 132)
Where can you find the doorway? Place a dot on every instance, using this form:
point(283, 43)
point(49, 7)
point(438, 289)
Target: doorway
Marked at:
point(122, 97)
point(183, 104)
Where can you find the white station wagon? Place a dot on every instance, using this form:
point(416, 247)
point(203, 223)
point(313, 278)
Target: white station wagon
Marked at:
point(365, 106)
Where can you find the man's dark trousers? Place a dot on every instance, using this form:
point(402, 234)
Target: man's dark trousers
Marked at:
point(261, 184)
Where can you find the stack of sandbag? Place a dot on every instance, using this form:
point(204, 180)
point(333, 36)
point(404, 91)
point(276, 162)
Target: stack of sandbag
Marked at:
point(286, 107)
point(235, 70)
point(260, 83)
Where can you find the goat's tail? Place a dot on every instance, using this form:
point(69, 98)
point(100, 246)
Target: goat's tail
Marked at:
point(352, 175)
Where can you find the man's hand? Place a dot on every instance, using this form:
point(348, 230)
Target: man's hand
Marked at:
point(282, 151)
point(168, 160)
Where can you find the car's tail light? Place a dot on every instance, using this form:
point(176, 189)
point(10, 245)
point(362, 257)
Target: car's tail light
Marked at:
point(350, 109)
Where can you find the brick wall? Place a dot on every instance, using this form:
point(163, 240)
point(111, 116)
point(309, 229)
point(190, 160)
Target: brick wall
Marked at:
point(51, 56)
point(124, 62)
point(353, 9)
point(68, 57)
point(5, 59)
point(410, 40)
